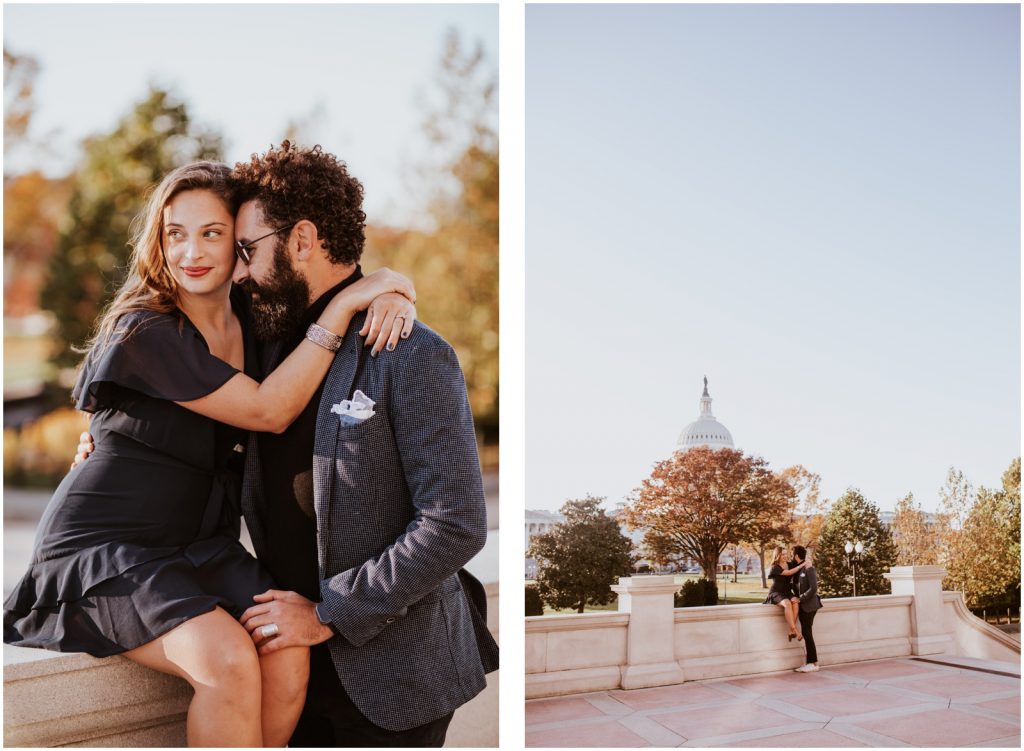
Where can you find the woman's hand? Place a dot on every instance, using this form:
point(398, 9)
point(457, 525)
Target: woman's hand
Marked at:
point(358, 296)
point(85, 447)
point(389, 317)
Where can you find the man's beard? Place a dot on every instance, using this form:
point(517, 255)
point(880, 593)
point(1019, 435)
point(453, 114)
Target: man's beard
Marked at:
point(279, 304)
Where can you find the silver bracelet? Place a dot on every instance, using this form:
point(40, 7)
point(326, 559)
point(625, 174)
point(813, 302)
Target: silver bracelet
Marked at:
point(324, 338)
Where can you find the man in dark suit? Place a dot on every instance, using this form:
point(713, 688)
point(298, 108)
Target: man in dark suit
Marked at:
point(805, 587)
point(368, 506)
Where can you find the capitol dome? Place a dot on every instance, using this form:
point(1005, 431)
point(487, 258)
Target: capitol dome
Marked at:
point(705, 430)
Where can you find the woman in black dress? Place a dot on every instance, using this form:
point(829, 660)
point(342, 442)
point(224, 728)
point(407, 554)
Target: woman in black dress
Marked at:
point(781, 591)
point(137, 552)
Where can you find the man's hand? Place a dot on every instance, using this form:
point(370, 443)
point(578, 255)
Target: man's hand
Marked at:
point(85, 447)
point(294, 616)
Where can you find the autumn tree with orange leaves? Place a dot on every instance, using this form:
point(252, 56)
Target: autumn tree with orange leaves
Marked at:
point(697, 502)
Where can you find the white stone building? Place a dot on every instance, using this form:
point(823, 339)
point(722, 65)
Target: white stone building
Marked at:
point(705, 430)
point(538, 522)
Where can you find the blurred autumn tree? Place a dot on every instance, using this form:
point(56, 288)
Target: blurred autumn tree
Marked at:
point(108, 190)
point(33, 207)
point(455, 262)
point(33, 203)
point(697, 502)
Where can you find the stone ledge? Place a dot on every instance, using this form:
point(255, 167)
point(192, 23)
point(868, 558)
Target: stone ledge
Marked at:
point(575, 622)
point(759, 610)
point(54, 699)
point(58, 699)
point(582, 680)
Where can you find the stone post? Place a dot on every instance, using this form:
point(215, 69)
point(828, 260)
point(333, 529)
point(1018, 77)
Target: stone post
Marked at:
point(928, 635)
point(650, 638)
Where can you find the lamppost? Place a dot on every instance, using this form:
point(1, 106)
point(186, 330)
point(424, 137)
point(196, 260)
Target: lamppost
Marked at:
point(853, 551)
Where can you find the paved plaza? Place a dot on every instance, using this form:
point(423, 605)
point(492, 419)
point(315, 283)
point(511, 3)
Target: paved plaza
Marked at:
point(884, 703)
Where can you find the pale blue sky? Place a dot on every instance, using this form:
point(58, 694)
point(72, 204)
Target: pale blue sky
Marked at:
point(248, 70)
point(816, 206)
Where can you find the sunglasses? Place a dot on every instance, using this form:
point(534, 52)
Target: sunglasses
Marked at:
point(245, 250)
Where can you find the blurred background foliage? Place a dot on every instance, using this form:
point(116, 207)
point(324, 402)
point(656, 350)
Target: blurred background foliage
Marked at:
point(66, 244)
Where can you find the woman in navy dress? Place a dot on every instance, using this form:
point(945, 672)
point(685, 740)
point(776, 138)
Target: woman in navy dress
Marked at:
point(137, 552)
point(781, 591)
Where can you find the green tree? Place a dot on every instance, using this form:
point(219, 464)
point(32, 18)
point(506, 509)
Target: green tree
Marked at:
point(108, 192)
point(917, 542)
point(986, 564)
point(853, 518)
point(581, 557)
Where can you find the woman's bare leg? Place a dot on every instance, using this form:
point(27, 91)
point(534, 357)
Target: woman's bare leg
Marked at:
point(788, 612)
point(795, 609)
point(216, 655)
point(285, 674)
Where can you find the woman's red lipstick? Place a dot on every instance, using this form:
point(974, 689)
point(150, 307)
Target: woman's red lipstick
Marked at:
point(196, 270)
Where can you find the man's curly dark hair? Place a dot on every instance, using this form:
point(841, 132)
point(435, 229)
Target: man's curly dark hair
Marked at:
point(292, 184)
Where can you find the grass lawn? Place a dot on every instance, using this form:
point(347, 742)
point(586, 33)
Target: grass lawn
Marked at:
point(746, 590)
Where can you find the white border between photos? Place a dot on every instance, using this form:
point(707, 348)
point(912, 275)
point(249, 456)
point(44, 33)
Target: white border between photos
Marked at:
point(512, 348)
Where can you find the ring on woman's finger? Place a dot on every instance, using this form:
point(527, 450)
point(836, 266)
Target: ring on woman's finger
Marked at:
point(269, 630)
point(397, 317)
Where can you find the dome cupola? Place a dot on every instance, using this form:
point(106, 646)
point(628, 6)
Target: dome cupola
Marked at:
point(705, 430)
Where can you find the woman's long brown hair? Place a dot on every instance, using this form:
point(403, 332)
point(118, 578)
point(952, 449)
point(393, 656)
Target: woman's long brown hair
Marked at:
point(149, 284)
point(779, 553)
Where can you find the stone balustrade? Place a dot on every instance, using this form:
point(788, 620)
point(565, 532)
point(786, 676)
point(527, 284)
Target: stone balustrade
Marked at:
point(648, 642)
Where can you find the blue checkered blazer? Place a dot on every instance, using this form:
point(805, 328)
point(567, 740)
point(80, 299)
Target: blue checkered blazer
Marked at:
point(400, 509)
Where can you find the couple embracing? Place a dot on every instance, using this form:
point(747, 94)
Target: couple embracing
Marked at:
point(247, 367)
point(795, 590)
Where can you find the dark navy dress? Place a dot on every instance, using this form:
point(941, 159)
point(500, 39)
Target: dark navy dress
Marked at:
point(782, 585)
point(143, 535)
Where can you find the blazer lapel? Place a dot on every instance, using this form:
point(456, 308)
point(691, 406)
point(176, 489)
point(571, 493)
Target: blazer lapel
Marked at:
point(337, 386)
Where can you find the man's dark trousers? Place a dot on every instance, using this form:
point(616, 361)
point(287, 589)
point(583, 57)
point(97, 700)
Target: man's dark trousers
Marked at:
point(806, 622)
point(805, 586)
point(330, 719)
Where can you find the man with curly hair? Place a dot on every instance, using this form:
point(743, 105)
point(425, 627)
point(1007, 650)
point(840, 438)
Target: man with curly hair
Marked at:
point(367, 507)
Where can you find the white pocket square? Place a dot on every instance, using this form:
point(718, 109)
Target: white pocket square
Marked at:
point(355, 410)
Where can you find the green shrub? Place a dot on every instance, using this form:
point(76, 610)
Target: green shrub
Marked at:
point(695, 593)
point(534, 605)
